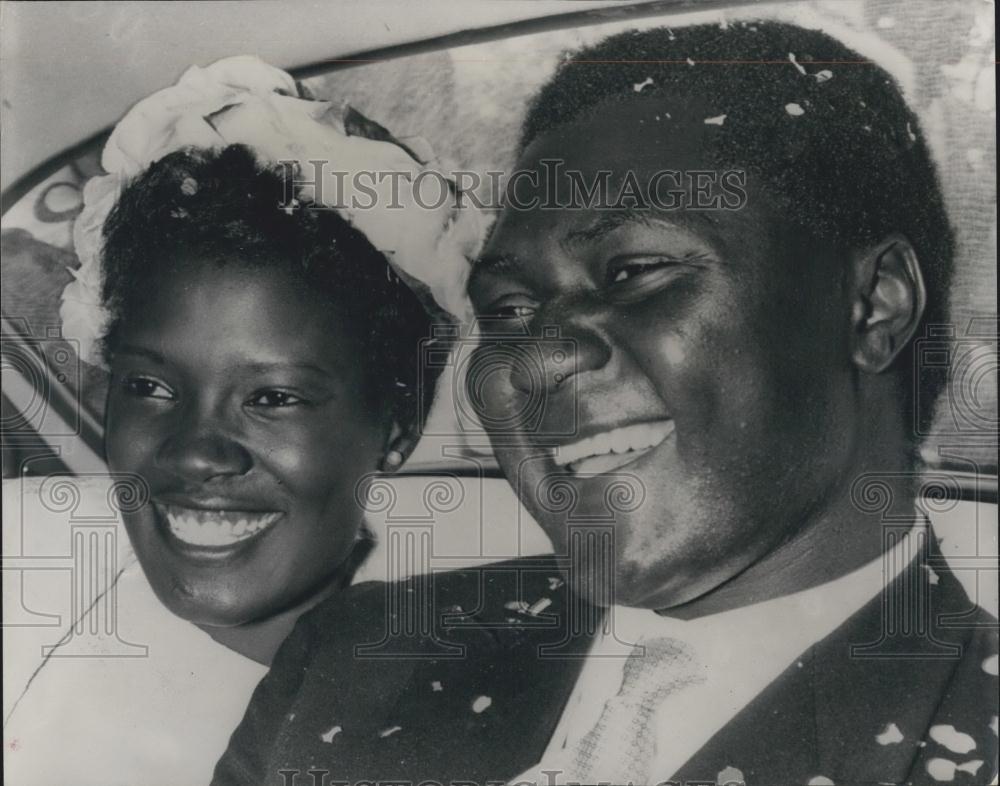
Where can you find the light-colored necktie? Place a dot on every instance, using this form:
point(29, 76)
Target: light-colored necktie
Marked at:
point(621, 746)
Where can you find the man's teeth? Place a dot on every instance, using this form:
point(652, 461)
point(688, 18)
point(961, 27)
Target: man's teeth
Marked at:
point(215, 527)
point(641, 436)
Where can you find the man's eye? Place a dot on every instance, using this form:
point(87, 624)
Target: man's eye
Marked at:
point(510, 308)
point(629, 269)
point(274, 398)
point(145, 387)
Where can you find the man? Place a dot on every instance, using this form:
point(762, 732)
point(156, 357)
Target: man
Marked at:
point(725, 323)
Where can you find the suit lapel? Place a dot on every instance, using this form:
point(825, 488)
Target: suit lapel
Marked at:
point(856, 706)
point(491, 713)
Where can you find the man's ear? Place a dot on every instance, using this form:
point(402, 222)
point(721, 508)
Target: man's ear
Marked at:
point(400, 443)
point(888, 300)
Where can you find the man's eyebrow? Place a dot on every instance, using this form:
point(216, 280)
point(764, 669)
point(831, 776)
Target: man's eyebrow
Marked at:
point(497, 264)
point(605, 223)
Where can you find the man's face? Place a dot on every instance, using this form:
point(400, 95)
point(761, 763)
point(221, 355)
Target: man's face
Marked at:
point(709, 379)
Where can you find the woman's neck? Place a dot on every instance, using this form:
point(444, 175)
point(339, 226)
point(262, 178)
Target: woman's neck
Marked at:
point(260, 640)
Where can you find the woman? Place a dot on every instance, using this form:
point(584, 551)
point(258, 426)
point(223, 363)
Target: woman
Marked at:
point(262, 349)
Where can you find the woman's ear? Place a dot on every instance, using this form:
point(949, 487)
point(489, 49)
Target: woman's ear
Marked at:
point(400, 443)
point(888, 300)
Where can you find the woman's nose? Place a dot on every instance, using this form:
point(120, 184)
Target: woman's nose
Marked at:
point(201, 449)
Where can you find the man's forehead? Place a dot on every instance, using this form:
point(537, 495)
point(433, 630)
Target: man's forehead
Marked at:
point(635, 130)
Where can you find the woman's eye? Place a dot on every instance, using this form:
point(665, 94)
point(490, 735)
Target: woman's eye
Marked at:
point(628, 270)
point(274, 398)
point(145, 387)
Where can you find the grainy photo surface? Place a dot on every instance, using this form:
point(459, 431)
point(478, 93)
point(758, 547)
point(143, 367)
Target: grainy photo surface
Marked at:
point(502, 393)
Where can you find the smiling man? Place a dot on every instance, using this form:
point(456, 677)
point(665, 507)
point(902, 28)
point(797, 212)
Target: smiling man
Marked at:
point(723, 383)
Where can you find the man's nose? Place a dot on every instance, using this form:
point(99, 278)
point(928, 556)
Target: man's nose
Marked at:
point(202, 447)
point(569, 340)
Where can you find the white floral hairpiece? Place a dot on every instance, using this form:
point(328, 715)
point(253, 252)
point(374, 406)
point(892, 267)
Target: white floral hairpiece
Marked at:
point(243, 100)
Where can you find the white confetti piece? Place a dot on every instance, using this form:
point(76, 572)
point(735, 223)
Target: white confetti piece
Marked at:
point(516, 605)
point(932, 576)
point(990, 665)
point(390, 731)
point(954, 740)
point(823, 76)
point(794, 62)
point(995, 725)
point(638, 86)
point(554, 581)
point(718, 120)
point(971, 766)
point(436, 686)
point(819, 780)
point(332, 732)
point(481, 703)
point(690, 62)
point(941, 769)
point(795, 110)
point(730, 775)
point(910, 134)
point(538, 606)
point(891, 735)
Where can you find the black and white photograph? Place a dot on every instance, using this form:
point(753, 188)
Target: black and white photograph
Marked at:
point(499, 393)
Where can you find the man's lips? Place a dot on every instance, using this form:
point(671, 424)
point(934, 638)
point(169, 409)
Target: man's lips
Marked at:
point(613, 448)
point(214, 527)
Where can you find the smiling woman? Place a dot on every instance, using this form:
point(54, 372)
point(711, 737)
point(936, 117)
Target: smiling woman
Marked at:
point(259, 375)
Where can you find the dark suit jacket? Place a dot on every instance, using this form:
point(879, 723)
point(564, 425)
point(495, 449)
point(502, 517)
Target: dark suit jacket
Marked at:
point(380, 684)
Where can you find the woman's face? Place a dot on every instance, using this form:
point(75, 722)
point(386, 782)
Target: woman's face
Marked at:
point(238, 395)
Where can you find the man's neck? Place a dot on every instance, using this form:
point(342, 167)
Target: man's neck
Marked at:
point(836, 539)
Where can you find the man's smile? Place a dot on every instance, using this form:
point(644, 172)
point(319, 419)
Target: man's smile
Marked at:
point(613, 448)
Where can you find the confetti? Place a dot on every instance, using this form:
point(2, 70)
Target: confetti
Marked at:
point(554, 581)
point(436, 686)
point(638, 86)
point(538, 606)
point(941, 769)
point(891, 735)
point(516, 605)
point(819, 780)
point(995, 725)
point(823, 76)
point(481, 703)
point(690, 62)
point(990, 665)
point(795, 63)
point(730, 775)
point(794, 110)
point(331, 733)
point(390, 731)
point(718, 120)
point(951, 738)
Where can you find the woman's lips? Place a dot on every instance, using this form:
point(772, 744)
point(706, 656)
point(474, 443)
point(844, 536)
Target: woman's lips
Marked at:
point(614, 448)
point(206, 528)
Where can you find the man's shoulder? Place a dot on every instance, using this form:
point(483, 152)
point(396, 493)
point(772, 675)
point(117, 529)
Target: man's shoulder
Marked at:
point(509, 593)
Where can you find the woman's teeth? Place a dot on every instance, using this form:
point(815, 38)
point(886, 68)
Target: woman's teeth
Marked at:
point(214, 527)
point(612, 449)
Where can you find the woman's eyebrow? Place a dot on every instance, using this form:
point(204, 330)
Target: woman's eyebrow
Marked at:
point(142, 352)
point(259, 367)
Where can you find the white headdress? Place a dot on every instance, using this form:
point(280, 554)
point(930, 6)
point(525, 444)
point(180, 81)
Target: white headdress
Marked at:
point(243, 100)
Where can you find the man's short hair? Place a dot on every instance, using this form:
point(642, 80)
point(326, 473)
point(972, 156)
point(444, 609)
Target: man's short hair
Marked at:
point(825, 131)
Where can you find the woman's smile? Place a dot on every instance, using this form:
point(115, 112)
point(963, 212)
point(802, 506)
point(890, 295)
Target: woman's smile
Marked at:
point(217, 529)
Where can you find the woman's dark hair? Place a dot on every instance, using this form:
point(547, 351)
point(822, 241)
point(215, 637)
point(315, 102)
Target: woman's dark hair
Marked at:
point(226, 208)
